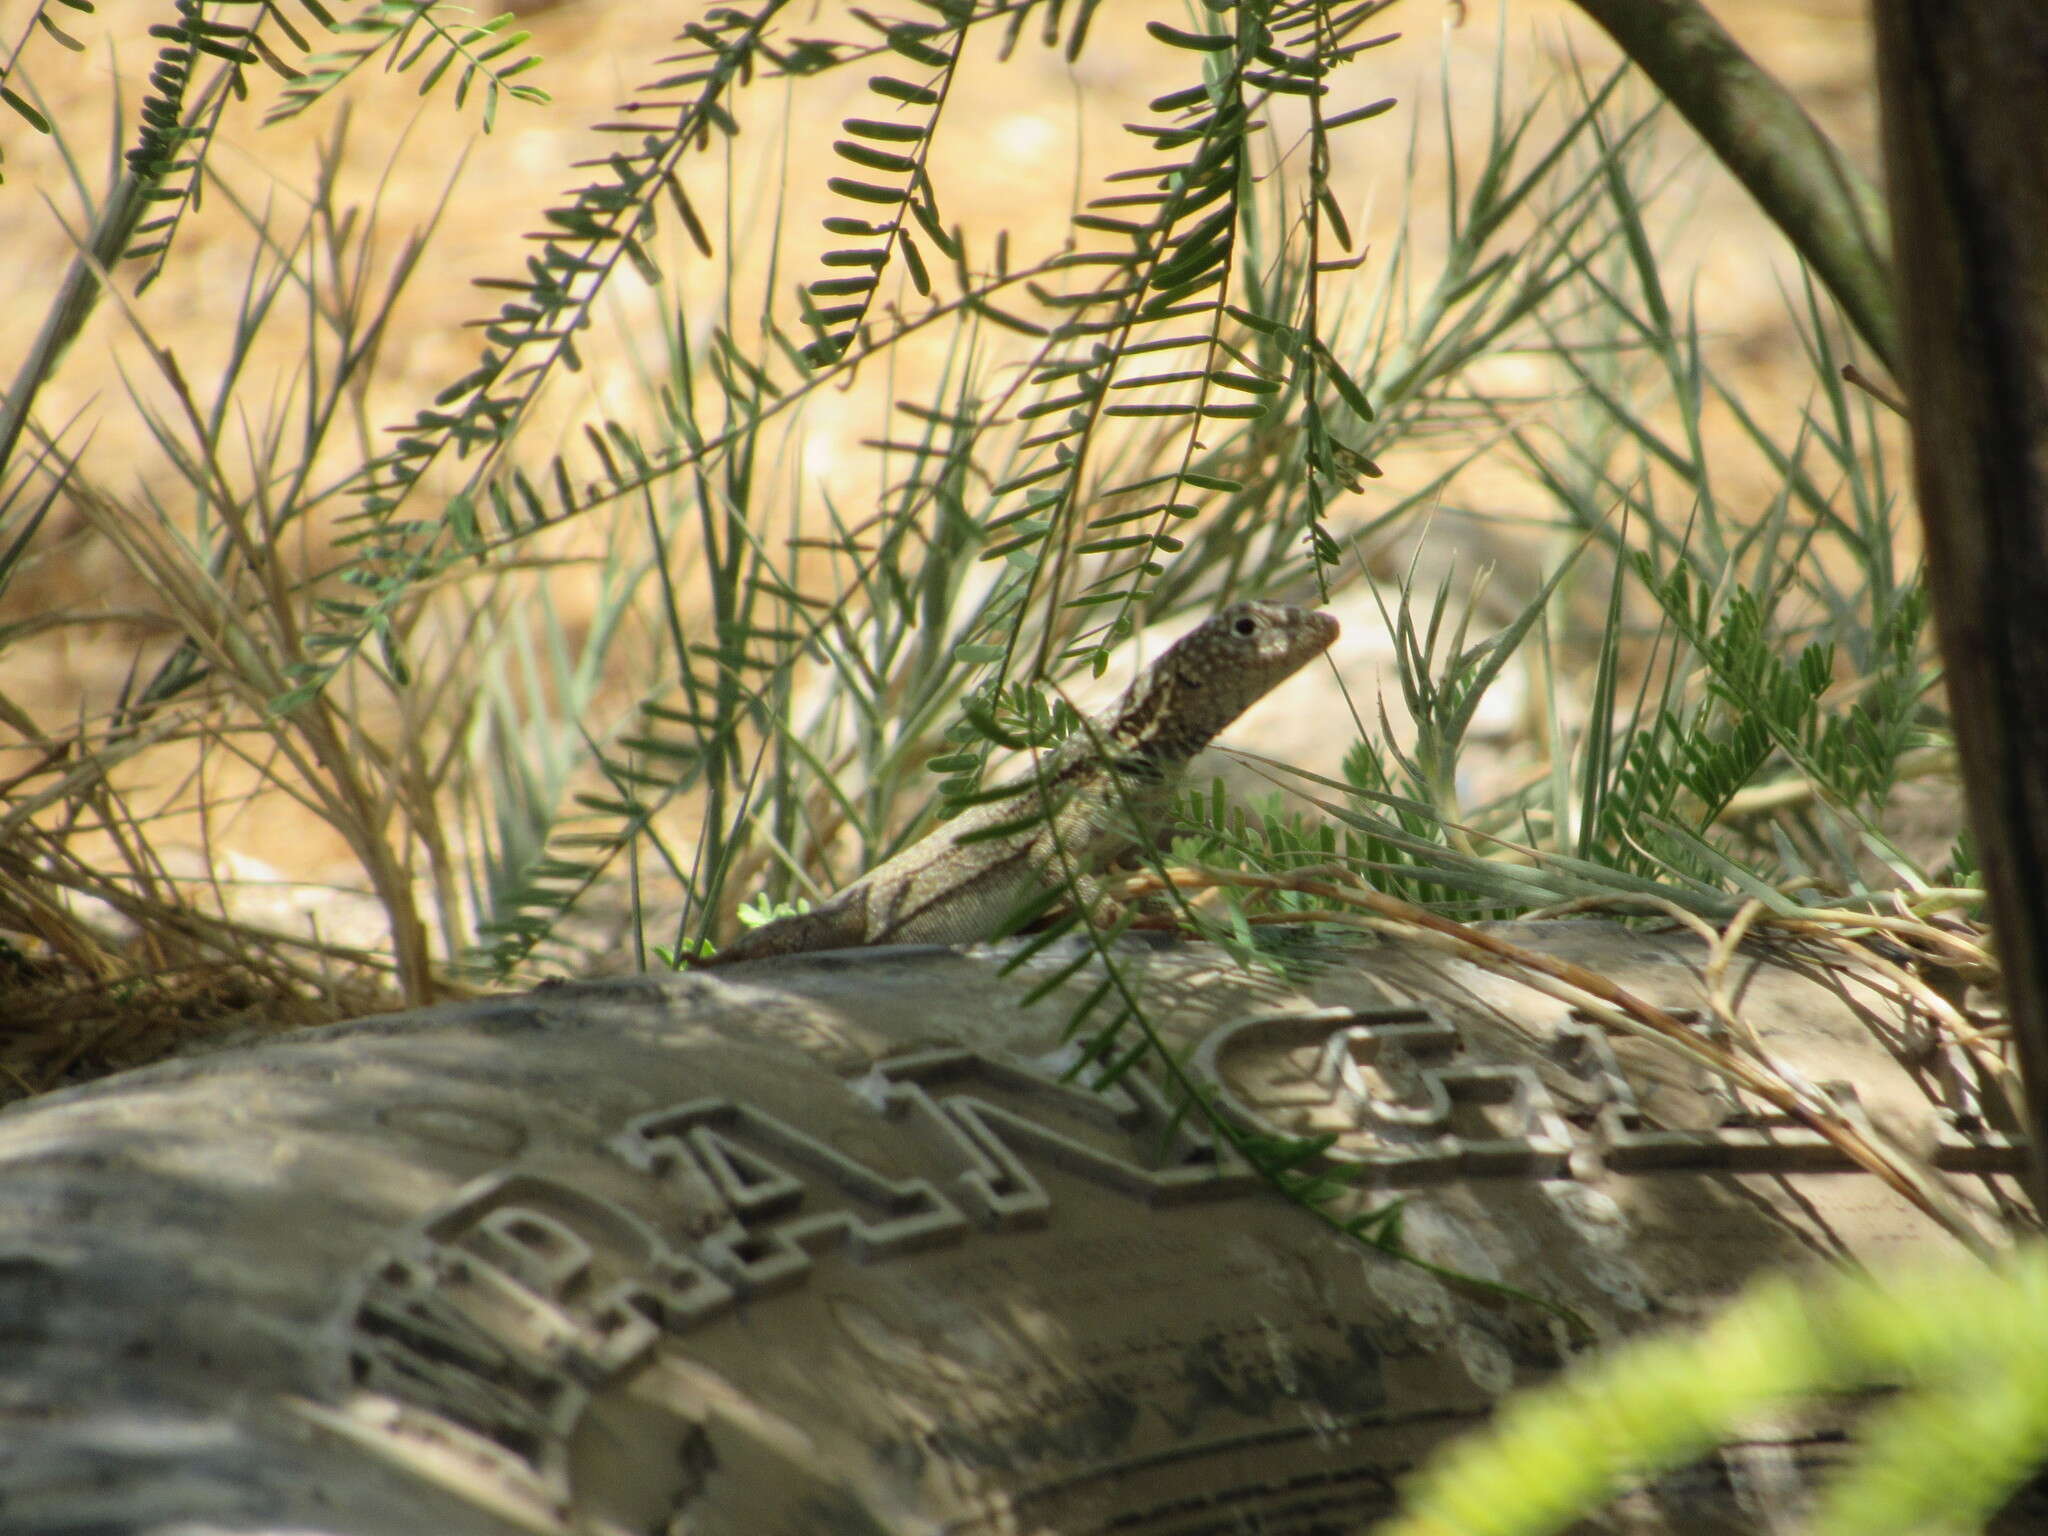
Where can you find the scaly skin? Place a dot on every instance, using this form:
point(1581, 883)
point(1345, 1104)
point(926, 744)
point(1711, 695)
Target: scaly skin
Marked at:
point(1090, 802)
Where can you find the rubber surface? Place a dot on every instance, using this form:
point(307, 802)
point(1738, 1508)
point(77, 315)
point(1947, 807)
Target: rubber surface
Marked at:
point(801, 1248)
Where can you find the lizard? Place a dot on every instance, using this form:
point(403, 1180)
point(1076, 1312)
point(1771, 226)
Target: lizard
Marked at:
point(1087, 803)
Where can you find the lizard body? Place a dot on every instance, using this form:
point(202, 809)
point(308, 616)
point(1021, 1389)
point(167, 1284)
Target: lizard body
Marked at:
point(1085, 805)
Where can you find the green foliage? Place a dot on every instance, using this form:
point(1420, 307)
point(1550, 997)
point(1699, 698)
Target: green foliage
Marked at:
point(39, 20)
point(1966, 1346)
point(200, 71)
point(1207, 353)
point(1651, 781)
point(387, 27)
point(837, 307)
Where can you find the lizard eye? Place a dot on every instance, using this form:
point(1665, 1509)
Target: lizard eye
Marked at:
point(1246, 627)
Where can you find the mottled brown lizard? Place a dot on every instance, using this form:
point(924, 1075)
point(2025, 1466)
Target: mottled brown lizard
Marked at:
point(1086, 804)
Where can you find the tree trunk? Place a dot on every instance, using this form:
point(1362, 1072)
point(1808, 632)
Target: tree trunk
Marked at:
point(1768, 143)
point(1962, 88)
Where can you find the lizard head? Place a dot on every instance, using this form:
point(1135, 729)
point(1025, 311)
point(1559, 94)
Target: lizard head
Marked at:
point(1217, 671)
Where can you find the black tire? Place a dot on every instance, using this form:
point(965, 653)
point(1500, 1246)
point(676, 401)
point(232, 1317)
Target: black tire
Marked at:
point(720, 1257)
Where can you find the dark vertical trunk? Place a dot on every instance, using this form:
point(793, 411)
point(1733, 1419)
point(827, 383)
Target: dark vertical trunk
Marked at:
point(1965, 91)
